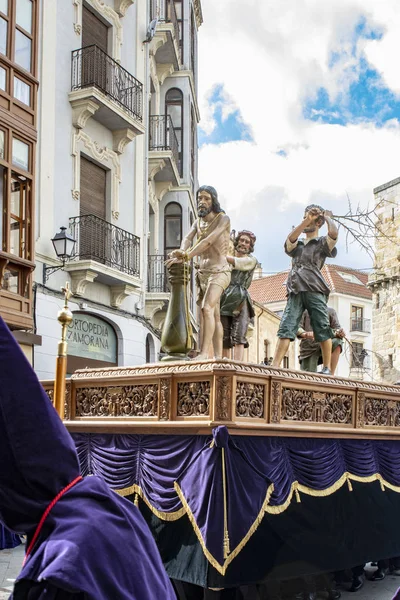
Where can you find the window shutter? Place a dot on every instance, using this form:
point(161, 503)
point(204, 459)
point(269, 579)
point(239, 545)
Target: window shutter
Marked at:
point(93, 189)
point(93, 30)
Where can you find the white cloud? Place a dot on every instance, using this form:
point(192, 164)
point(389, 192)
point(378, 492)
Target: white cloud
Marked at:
point(270, 56)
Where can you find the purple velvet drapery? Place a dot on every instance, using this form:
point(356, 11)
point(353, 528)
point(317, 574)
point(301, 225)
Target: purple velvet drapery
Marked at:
point(227, 484)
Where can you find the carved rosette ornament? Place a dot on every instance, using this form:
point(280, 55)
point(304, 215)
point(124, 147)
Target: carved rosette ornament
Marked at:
point(223, 396)
point(381, 413)
point(316, 407)
point(121, 401)
point(250, 400)
point(276, 398)
point(194, 399)
point(165, 399)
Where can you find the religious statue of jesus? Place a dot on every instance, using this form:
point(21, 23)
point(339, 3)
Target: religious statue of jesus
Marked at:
point(212, 229)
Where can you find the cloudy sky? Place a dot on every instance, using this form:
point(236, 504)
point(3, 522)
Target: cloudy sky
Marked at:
point(300, 103)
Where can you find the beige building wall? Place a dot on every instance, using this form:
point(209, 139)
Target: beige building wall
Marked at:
point(262, 337)
point(385, 284)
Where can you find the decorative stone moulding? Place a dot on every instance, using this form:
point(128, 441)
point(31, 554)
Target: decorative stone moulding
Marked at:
point(195, 396)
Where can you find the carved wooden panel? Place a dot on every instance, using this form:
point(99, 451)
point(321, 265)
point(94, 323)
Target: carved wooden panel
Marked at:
point(250, 399)
point(381, 412)
point(317, 407)
point(361, 408)
point(194, 399)
point(121, 401)
point(67, 402)
point(165, 399)
point(223, 398)
point(276, 398)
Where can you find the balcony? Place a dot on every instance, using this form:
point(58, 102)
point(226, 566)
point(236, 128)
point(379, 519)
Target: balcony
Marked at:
point(106, 253)
point(157, 279)
point(164, 150)
point(166, 42)
point(104, 90)
point(360, 325)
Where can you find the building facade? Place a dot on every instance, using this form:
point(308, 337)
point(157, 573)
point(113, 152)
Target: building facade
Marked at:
point(385, 283)
point(109, 170)
point(262, 338)
point(19, 35)
point(352, 300)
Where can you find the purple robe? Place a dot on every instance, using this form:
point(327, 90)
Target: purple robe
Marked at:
point(94, 545)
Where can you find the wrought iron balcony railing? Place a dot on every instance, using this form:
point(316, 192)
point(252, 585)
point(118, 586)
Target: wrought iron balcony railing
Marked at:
point(165, 11)
point(162, 135)
point(104, 243)
point(92, 67)
point(363, 325)
point(157, 279)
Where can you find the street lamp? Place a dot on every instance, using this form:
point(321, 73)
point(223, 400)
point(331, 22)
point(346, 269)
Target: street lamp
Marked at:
point(63, 244)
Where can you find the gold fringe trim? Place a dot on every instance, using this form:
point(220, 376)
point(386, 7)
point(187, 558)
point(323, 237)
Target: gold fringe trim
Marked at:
point(295, 490)
point(164, 516)
point(213, 561)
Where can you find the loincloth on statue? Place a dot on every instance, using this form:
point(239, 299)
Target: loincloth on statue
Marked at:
point(205, 278)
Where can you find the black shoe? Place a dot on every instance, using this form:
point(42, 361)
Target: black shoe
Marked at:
point(334, 594)
point(379, 574)
point(326, 371)
point(357, 583)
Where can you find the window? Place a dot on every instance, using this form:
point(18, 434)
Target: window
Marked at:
point(3, 79)
point(3, 35)
point(377, 300)
point(350, 278)
point(24, 14)
point(22, 91)
point(172, 227)
point(20, 154)
point(357, 318)
point(179, 17)
point(285, 362)
point(15, 196)
point(4, 6)
point(18, 216)
point(150, 350)
point(174, 108)
point(358, 355)
point(16, 32)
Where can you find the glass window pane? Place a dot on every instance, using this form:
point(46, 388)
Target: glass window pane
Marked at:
point(24, 14)
point(15, 202)
point(2, 138)
point(22, 91)
point(20, 154)
point(175, 112)
point(3, 35)
point(173, 209)
point(173, 233)
point(4, 6)
point(22, 50)
point(3, 83)
point(14, 237)
point(10, 282)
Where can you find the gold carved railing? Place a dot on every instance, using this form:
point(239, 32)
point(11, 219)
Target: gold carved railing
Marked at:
point(194, 397)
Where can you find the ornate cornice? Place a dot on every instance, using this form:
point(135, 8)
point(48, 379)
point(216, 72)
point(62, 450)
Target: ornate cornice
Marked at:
point(121, 6)
point(198, 12)
point(121, 138)
point(119, 293)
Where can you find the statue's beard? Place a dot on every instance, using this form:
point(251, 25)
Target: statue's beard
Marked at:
point(203, 211)
point(243, 249)
point(310, 229)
